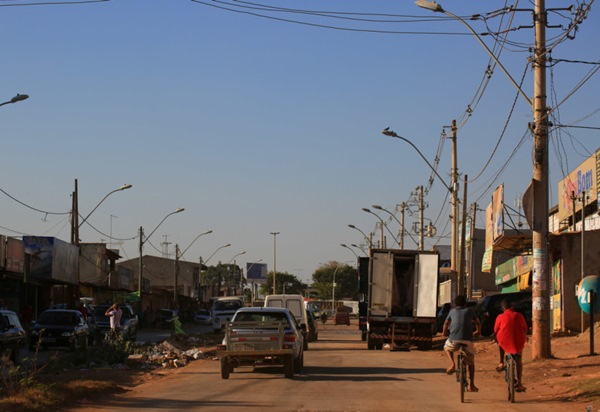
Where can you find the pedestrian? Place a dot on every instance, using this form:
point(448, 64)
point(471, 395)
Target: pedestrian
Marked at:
point(115, 313)
point(459, 329)
point(511, 334)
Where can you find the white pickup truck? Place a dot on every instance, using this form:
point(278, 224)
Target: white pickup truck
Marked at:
point(262, 336)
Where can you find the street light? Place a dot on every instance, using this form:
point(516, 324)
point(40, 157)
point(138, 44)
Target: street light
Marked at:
point(219, 248)
point(382, 223)
point(367, 238)
point(17, 98)
point(124, 187)
point(347, 247)
point(433, 6)
point(142, 241)
point(197, 237)
point(233, 270)
point(179, 255)
point(401, 243)
point(274, 258)
point(360, 248)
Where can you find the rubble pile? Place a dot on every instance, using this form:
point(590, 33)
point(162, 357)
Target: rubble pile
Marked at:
point(176, 352)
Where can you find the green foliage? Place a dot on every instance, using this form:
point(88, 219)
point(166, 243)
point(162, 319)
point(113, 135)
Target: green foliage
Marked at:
point(346, 279)
point(110, 351)
point(283, 282)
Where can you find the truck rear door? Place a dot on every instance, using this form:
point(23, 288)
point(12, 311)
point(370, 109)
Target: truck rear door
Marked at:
point(380, 279)
point(426, 289)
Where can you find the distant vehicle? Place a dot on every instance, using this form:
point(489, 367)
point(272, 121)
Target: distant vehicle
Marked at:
point(12, 335)
point(489, 307)
point(60, 328)
point(341, 317)
point(223, 309)
point(262, 336)
point(445, 309)
point(99, 323)
point(296, 305)
point(203, 316)
point(166, 317)
point(313, 326)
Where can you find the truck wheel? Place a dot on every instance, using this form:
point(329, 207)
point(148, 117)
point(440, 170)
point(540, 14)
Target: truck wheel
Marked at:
point(370, 343)
point(288, 366)
point(225, 368)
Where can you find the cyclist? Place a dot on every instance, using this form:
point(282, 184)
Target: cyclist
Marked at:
point(511, 334)
point(459, 329)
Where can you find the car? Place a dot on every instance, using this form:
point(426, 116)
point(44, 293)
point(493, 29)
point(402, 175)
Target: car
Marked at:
point(165, 317)
point(203, 317)
point(443, 311)
point(99, 323)
point(262, 336)
point(489, 307)
point(12, 335)
point(59, 328)
point(342, 317)
point(223, 308)
point(296, 305)
point(313, 326)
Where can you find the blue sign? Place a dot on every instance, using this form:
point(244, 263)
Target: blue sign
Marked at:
point(587, 284)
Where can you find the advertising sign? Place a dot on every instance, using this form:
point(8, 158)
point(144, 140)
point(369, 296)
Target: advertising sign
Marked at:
point(51, 258)
point(498, 212)
point(256, 272)
point(582, 179)
point(15, 255)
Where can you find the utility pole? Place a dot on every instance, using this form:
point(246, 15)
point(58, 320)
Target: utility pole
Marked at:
point(463, 240)
point(454, 186)
point(176, 274)
point(274, 259)
point(470, 283)
point(421, 209)
point(141, 264)
point(75, 216)
point(541, 277)
point(402, 226)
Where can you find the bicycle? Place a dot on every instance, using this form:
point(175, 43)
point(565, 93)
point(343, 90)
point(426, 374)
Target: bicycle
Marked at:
point(511, 375)
point(461, 372)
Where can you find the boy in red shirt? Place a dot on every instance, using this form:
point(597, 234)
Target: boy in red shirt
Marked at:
point(511, 334)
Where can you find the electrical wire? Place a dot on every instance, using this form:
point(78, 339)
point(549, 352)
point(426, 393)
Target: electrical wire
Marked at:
point(52, 3)
point(31, 207)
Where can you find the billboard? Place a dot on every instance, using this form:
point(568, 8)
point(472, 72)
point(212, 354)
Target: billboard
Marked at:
point(498, 212)
point(582, 179)
point(15, 255)
point(256, 272)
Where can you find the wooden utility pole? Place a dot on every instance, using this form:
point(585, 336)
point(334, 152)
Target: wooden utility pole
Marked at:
point(421, 218)
point(541, 277)
point(463, 239)
point(75, 216)
point(454, 186)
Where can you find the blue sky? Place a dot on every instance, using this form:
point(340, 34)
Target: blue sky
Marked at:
point(256, 125)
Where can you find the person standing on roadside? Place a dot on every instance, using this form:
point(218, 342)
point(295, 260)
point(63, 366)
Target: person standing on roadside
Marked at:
point(459, 329)
point(114, 313)
point(511, 334)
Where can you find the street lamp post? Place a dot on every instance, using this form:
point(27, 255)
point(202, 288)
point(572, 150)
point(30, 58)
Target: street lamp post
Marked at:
point(141, 247)
point(17, 98)
point(541, 346)
point(347, 247)
point(367, 238)
point(401, 223)
point(178, 256)
point(383, 243)
point(359, 248)
point(206, 261)
point(274, 259)
point(233, 270)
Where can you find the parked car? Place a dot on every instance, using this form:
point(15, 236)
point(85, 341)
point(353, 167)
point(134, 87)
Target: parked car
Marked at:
point(313, 326)
point(489, 307)
point(60, 328)
point(443, 311)
point(99, 323)
point(203, 316)
point(12, 335)
point(296, 305)
point(165, 317)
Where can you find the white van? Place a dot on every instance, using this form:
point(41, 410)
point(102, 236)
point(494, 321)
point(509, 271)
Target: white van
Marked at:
point(296, 305)
point(223, 309)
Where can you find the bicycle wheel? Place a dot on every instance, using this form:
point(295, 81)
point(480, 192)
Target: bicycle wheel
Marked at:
point(462, 376)
point(511, 377)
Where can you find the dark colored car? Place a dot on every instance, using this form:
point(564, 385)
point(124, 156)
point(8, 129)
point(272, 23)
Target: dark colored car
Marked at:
point(61, 328)
point(342, 317)
point(445, 309)
point(100, 323)
point(489, 307)
point(12, 335)
point(313, 326)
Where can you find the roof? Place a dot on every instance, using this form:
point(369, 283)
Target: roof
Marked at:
point(264, 309)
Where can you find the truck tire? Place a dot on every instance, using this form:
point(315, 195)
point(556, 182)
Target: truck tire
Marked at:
point(288, 366)
point(370, 343)
point(225, 368)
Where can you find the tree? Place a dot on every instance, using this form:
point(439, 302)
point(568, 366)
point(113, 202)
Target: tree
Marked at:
point(285, 283)
point(346, 280)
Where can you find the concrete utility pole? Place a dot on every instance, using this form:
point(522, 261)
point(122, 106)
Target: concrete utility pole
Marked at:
point(176, 274)
point(541, 277)
point(421, 218)
point(402, 226)
point(470, 283)
point(274, 259)
point(454, 185)
point(463, 241)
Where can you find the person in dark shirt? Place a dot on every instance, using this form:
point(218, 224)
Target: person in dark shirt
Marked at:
point(459, 329)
